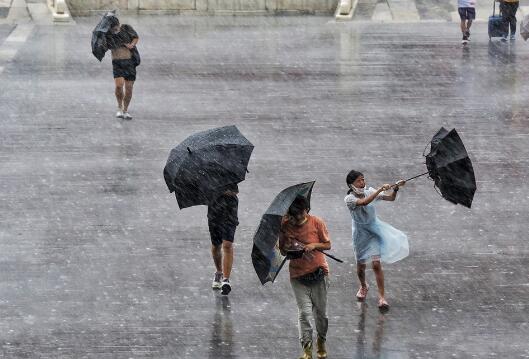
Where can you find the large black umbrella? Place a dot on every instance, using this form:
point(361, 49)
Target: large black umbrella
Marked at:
point(450, 167)
point(202, 165)
point(99, 35)
point(266, 258)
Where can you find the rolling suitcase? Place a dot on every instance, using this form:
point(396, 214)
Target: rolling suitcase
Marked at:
point(496, 25)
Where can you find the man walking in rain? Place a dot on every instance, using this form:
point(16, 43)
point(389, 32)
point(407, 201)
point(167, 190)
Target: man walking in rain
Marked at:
point(222, 222)
point(308, 274)
point(122, 40)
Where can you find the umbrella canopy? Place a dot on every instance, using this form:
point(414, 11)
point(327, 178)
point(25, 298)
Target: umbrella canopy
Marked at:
point(200, 167)
point(450, 167)
point(99, 41)
point(266, 257)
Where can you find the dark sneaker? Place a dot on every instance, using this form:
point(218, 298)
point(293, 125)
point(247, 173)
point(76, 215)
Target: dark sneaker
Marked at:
point(468, 35)
point(465, 39)
point(225, 289)
point(217, 281)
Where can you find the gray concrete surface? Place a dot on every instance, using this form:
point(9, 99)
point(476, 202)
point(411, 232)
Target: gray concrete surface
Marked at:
point(98, 262)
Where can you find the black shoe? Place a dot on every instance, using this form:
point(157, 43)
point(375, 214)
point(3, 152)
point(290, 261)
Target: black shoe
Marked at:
point(468, 35)
point(225, 289)
point(465, 39)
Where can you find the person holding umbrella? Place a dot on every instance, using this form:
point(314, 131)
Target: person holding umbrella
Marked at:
point(222, 223)
point(305, 236)
point(122, 41)
point(205, 169)
point(373, 239)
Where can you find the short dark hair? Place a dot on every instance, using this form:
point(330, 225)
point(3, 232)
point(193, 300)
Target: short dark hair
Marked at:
point(114, 21)
point(298, 205)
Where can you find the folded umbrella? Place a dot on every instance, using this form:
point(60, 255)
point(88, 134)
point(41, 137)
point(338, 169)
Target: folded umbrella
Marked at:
point(99, 35)
point(204, 164)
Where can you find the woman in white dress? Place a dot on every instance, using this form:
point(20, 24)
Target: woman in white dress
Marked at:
point(373, 239)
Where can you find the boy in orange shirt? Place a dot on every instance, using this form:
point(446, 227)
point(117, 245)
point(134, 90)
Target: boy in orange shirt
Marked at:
point(309, 275)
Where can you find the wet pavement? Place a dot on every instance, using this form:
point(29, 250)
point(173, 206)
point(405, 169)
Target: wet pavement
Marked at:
point(98, 262)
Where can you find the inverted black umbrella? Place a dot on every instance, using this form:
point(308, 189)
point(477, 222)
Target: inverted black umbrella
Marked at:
point(450, 167)
point(205, 163)
point(99, 35)
point(266, 257)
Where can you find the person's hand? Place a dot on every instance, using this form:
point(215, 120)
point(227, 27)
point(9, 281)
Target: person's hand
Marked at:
point(385, 187)
point(310, 247)
point(400, 183)
point(130, 46)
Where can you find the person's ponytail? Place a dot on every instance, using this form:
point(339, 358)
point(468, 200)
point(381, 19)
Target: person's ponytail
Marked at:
point(351, 177)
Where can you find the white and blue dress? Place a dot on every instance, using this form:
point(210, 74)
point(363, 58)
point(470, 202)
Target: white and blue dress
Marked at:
point(374, 239)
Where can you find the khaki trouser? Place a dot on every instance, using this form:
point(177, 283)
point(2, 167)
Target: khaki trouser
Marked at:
point(311, 300)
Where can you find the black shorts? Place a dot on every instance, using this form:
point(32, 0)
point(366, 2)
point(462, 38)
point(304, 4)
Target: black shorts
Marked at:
point(467, 13)
point(221, 232)
point(125, 69)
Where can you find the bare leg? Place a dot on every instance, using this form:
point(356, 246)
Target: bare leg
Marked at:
point(128, 95)
point(361, 272)
point(379, 274)
point(227, 258)
point(463, 27)
point(120, 82)
point(217, 257)
point(469, 23)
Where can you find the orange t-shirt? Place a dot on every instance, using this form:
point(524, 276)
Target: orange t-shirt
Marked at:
point(313, 230)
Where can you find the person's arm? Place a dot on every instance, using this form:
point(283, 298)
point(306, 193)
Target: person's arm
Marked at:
point(366, 200)
point(132, 43)
point(393, 195)
point(133, 34)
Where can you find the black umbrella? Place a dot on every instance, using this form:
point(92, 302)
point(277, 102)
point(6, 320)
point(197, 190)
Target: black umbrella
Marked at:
point(200, 167)
point(450, 167)
point(99, 35)
point(266, 257)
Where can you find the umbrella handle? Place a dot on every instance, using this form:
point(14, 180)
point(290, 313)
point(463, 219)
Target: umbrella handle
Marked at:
point(330, 256)
point(412, 178)
point(279, 269)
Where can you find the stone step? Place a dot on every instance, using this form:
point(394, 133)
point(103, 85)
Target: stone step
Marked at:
point(365, 9)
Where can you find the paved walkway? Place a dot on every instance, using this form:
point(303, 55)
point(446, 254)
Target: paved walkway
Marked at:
point(97, 261)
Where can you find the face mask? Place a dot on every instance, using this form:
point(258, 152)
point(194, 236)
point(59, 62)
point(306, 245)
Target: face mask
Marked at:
point(359, 191)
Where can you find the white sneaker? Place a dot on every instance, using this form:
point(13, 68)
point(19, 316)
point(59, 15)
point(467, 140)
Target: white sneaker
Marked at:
point(127, 116)
point(217, 281)
point(119, 114)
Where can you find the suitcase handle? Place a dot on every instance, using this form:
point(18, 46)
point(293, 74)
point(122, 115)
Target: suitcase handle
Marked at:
point(494, 8)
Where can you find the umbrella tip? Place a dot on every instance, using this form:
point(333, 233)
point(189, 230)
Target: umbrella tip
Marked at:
point(188, 150)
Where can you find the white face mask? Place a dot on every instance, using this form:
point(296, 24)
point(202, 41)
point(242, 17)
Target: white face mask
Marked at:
point(359, 191)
